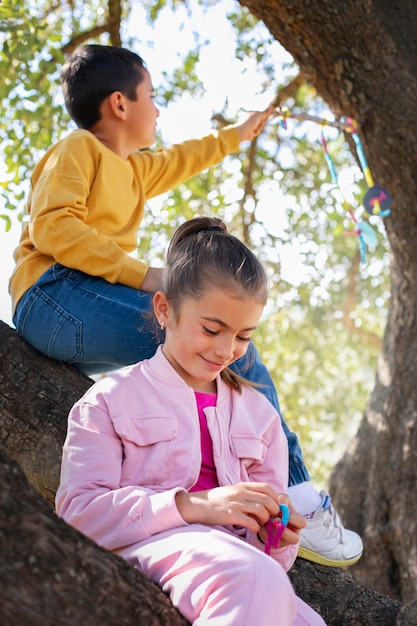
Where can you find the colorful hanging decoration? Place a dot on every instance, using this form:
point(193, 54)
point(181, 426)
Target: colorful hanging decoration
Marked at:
point(377, 200)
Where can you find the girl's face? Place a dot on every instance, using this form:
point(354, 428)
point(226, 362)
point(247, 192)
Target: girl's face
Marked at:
point(208, 334)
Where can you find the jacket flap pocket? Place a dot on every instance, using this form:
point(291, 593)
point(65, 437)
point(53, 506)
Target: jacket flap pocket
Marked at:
point(146, 430)
point(248, 447)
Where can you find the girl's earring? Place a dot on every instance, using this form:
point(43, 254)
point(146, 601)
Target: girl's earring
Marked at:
point(162, 325)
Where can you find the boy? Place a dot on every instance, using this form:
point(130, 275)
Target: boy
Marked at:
point(78, 295)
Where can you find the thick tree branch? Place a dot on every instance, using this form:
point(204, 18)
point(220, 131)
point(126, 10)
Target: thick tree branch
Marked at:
point(111, 26)
point(81, 38)
point(114, 22)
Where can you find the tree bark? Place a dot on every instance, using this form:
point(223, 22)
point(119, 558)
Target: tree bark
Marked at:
point(361, 56)
point(51, 574)
point(36, 395)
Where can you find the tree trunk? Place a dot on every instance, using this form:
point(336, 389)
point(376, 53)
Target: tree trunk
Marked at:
point(51, 574)
point(361, 56)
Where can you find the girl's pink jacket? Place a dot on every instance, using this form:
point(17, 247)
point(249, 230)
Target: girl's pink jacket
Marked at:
point(133, 442)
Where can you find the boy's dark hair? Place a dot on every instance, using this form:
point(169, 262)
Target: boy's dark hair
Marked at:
point(92, 73)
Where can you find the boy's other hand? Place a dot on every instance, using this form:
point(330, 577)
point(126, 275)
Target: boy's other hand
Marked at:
point(153, 280)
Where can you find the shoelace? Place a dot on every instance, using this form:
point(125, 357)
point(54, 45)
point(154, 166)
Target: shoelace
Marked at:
point(332, 519)
point(337, 523)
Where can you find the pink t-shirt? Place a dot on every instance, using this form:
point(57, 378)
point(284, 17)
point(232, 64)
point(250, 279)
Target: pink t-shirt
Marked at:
point(208, 476)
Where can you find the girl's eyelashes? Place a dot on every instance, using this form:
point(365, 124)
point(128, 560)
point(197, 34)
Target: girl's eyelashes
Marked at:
point(209, 331)
point(214, 333)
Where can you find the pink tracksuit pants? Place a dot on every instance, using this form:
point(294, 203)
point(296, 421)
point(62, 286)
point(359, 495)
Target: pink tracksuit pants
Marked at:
point(216, 579)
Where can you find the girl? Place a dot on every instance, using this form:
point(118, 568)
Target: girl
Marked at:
point(176, 463)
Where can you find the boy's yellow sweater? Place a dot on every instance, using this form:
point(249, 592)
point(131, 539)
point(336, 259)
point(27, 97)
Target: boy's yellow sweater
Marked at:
point(86, 204)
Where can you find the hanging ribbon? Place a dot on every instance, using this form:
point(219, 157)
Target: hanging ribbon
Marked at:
point(377, 200)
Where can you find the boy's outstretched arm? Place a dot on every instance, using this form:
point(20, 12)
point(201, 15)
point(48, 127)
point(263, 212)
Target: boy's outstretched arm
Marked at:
point(254, 124)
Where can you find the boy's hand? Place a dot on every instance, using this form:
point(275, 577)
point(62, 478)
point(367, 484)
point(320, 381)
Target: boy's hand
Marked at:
point(253, 126)
point(152, 281)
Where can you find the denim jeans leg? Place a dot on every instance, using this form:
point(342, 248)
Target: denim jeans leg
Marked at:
point(251, 367)
point(86, 321)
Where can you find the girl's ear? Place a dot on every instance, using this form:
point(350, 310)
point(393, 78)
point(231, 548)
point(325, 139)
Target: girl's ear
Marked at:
point(161, 308)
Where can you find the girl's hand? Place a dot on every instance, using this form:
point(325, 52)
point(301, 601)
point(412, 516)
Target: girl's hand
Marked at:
point(254, 124)
point(245, 504)
point(291, 534)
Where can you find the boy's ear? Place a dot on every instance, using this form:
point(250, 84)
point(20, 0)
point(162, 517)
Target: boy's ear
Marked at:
point(161, 307)
point(116, 103)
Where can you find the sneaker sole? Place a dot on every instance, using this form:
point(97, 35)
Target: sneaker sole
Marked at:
point(308, 555)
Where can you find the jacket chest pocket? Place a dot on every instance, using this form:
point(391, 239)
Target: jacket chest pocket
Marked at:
point(248, 448)
point(146, 442)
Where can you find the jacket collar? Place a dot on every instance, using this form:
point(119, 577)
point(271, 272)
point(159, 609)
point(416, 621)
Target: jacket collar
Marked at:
point(161, 369)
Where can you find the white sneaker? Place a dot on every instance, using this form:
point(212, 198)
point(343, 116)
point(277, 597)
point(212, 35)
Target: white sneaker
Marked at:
point(325, 541)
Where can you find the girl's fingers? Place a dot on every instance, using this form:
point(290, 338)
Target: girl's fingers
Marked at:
point(290, 536)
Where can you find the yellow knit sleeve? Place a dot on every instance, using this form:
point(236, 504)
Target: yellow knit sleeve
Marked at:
point(164, 169)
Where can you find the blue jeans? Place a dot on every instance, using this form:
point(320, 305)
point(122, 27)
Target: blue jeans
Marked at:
point(97, 327)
